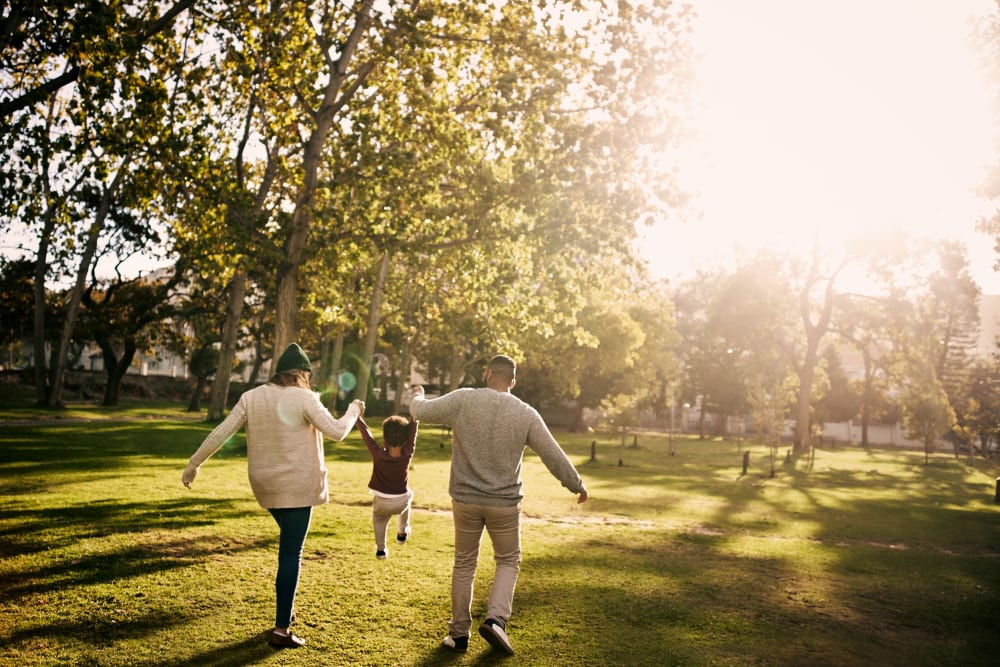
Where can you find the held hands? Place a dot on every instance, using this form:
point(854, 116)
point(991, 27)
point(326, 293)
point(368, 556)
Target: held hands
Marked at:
point(417, 390)
point(361, 406)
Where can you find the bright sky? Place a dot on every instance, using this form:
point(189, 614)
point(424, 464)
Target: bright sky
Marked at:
point(828, 119)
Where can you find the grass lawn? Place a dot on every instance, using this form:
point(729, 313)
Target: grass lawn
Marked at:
point(854, 558)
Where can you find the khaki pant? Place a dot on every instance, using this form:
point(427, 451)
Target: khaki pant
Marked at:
point(383, 509)
point(504, 528)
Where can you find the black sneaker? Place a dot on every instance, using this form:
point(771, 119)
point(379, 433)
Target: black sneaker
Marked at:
point(381, 554)
point(457, 644)
point(495, 633)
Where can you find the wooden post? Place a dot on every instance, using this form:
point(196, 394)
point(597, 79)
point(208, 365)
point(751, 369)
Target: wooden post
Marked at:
point(746, 461)
point(621, 450)
point(593, 450)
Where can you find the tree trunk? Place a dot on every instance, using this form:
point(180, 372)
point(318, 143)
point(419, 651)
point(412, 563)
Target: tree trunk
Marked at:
point(866, 398)
point(457, 372)
point(286, 328)
point(806, 374)
point(41, 271)
point(701, 419)
point(194, 405)
point(403, 378)
point(814, 334)
point(38, 331)
point(234, 311)
point(371, 337)
point(116, 370)
point(577, 426)
point(337, 358)
point(73, 306)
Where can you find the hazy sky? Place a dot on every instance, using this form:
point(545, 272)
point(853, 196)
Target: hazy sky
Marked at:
point(827, 119)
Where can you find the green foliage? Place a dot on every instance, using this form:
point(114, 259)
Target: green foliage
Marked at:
point(927, 414)
point(16, 299)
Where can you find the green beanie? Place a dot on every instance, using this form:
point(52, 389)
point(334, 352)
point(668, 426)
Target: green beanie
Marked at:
point(293, 358)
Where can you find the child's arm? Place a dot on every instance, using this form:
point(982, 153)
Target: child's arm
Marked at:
point(366, 435)
point(411, 437)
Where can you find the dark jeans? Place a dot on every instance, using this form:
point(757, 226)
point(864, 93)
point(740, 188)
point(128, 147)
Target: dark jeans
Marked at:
point(294, 525)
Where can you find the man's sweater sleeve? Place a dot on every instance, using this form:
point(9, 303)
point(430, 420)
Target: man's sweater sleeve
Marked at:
point(440, 410)
point(540, 440)
point(320, 417)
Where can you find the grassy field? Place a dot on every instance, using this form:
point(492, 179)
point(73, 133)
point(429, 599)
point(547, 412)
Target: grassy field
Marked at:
point(853, 558)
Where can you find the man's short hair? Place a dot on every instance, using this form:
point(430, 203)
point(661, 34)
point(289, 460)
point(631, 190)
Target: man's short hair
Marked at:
point(395, 430)
point(503, 365)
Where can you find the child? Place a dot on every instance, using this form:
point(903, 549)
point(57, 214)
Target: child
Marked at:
point(390, 476)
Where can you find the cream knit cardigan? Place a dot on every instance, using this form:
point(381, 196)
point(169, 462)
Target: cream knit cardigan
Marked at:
point(284, 428)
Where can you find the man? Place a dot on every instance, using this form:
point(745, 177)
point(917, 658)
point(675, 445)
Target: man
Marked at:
point(490, 428)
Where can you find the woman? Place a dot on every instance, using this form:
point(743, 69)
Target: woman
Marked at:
point(285, 423)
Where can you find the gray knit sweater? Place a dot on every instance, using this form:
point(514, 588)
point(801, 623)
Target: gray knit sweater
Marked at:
point(490, 432)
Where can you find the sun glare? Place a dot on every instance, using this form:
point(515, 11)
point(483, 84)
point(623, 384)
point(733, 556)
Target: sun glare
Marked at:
point(823, 121)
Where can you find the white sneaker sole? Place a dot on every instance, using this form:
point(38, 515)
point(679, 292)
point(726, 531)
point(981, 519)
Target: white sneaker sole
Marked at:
point(496, 637)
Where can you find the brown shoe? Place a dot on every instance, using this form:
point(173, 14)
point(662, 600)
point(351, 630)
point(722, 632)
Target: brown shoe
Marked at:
point(291, 640)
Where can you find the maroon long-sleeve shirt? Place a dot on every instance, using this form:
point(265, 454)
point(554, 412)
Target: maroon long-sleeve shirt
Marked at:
point(390, 475)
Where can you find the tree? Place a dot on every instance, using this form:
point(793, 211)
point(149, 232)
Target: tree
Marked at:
point(125, 316)
point(840, 402)
point(983, 415)
point(204, 363)
point(75, 156)
point(872, 325)
point(817, 297)
point(737, 335)
point(36, 34)
point(16, 304)
point(927, 414)
point(947, 323)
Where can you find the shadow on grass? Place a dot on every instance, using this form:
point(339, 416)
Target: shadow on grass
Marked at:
point(247, 652)
point(97, 445)
point(134, 561)
point(64, 525)
point(442, 656)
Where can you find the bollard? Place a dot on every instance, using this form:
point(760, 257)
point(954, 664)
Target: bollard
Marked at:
point(593, 450)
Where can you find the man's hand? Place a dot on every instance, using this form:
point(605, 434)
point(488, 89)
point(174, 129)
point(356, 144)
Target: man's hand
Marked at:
point(361, 406)
point(417, 390)
point(582, 498)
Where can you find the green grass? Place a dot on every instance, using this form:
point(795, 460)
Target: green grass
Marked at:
point(18, 403)
point(856, 558)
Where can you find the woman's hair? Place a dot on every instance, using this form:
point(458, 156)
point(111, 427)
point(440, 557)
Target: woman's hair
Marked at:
point(292, 378)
